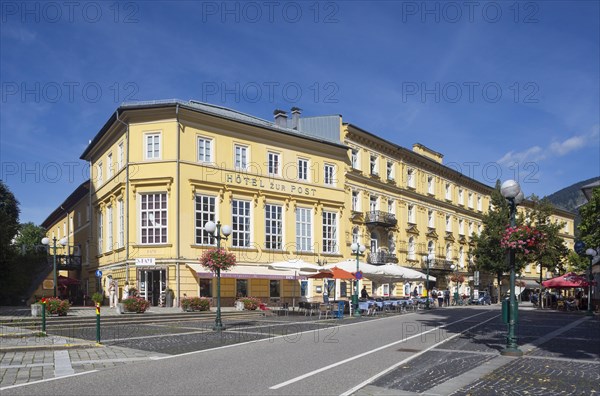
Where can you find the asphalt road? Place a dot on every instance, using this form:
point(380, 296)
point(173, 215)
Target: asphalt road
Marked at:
point(444, 351)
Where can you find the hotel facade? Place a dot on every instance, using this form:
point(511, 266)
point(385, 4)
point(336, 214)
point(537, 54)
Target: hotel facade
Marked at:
point(293, 188)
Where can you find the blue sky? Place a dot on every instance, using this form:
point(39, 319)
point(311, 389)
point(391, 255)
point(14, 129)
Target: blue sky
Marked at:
point(502, 89)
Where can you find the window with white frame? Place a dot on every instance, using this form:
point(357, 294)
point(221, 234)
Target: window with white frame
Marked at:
point(411, 248)
point(329, 232)
point(430, 248)
point(241, 157)
point(461, 227)
point(100, 232)
point(461, 257)
point(109, 228)
point(205, 149)
point(373, 203)
point(391, 206)
point(448, 223)
point(470, 200)
point(389, 170)
point(153, 216)
point(448, 252)
point(410, 177)
point(205, 211)
point(240, 223)
point(303, 229)
point(120, 156)
point(430, 185)
point(461, 198)
point(109, 166)
point(273, 163)
point(430, 219)
point(99, 173)
point(355, 201)
point(273, 227)
point(121, 223)
point(373, 165)
point(355, 235)
point(374, 247)
point(152, 146)
point(470, 228)
point(479, 229)
point(329, 174)
point(479, 204)
point(448, 191)
point(411, 214)
point(354, 159)
point(302, 169)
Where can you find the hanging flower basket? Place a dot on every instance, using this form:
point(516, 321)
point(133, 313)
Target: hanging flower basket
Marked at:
point(526, 241)
point(457, 278)
point(217, 259)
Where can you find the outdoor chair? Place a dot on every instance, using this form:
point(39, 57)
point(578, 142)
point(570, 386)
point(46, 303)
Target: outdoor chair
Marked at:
point(324, 309)
point(284, 309)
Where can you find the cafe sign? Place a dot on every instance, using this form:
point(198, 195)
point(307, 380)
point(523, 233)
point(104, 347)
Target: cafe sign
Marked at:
point(145, 261)
point(268, 184)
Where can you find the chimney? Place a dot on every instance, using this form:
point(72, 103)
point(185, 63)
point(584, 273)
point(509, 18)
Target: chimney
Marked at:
point(296, 117)
point(280, 118)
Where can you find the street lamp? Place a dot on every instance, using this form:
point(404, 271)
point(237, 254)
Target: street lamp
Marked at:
point(358, 250)
point(218, 232)
point(511, 190)
point(430, 257)
point(592, 253)
point(63, 242)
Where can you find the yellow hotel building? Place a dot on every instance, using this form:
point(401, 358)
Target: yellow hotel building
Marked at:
point(294, 188)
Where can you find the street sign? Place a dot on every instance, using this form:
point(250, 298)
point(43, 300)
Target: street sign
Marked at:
point(98, 274)
point(359, 275)
point(579, 247)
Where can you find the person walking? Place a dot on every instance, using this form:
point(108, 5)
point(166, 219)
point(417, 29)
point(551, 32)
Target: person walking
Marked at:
point(126, 291)
point(447, 297)
point(111, 292)
point(440, 298)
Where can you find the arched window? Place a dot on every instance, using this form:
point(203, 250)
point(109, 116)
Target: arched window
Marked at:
point(411, 248)
point(391, 242)
point(355, 235)
point(374, 242)
point(430, 248)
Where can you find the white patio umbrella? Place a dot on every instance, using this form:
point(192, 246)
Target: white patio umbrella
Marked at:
point(405, 273)
point(299, 266)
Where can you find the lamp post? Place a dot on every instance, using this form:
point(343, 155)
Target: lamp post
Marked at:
point(511, 190)
point(454, 269)
point(592, 253)
point(358, 250)
point(218, 232)
point(63, 242)
point(428, 258)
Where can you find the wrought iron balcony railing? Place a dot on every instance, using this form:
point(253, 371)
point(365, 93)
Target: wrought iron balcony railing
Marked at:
point(378, 217)
point(381, 258)
point(66, 262)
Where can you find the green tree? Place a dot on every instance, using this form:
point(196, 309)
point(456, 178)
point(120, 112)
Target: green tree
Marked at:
point(577, 263)
point(589, 228)
point(9, 222)
point(554, 252)
point(488, 254)
point(29, 238)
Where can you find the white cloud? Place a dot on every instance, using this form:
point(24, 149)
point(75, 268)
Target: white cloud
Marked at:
point(532, 154)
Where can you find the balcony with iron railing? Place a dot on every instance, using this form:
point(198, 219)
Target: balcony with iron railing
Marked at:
point(438, 264)
point(66, 262)
point(380, 258)
point(380, 218)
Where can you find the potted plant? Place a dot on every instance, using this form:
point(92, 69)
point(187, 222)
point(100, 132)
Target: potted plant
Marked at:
point(250, 303)
point(136, 304)
point(217, 260)
point(192, 304)
point(56, 306)
point(98, 298)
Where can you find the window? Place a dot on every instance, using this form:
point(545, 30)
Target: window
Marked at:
point(354, 159)
point(430, 219)
point(470, 228)
point(430, 185)
point(273, 163)
point(204, 149)
point(479, 229)
point(120, 156)
point(302, 169)
point(410, 178)
point(205, 287)
point(471, 200)
point(355, 235)
point(373, 165)
point(461, 227)
point(461, 198)
point(479, 204)
point(303, 288)
point(303, 229)
point(121, 225)
point(241, 287)
point(79, 219)
point(329, 172)
point(356, 201)
point(240, 216)
point(153, 215)
point(241, 157)
point(205, 212)
point(273, 227)
point(152, 146)
point(448, 191)
point(100, 232)
point(461, 257)
point(411, 248)
point(373, 203)
point(109, 228)
point(391, 242)
point(391, 206)
point(274, 287)
point(99, 171)
point(109, 166)
point(389, 172)
point(448, 223)
point(329, 232)
point(448, 252)
point(430, 249)
point(411, 214)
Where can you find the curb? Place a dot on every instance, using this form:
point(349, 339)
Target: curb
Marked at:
point(53, 347)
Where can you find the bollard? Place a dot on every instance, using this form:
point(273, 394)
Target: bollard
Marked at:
point(44, 315)
point(98, 323)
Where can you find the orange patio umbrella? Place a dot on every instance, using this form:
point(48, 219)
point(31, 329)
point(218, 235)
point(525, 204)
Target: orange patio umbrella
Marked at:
point(335, 273)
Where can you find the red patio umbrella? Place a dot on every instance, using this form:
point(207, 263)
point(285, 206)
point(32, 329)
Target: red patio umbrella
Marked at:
point(567, 281)
point(66, 281)
point(336, 273)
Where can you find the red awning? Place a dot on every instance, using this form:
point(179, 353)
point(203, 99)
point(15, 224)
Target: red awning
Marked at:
point(567, 281)
point(336, 273)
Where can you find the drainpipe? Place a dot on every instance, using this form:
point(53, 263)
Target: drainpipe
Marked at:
point(177, 233)
point(126, 200)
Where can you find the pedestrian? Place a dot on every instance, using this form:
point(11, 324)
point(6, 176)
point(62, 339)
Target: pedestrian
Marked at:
point(126, 291)
point(440, 298)
point(434, 296)
point(363, 293)
point(111, 292)
point(416, 292)
point(447, 297)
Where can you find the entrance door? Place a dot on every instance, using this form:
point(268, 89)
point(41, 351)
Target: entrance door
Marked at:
point(152, 286)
